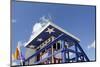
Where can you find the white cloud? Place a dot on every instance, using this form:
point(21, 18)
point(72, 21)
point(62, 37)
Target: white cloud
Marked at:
point(21, 44)
point(36, 28)
point(14, 63)
point(92, 45)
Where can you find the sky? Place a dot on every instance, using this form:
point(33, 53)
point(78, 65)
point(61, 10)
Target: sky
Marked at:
point(76, 19)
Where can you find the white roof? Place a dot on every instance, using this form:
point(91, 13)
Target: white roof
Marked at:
point(54, 25)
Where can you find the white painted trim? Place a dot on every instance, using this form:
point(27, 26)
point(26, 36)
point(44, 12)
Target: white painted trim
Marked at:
point(65, 31)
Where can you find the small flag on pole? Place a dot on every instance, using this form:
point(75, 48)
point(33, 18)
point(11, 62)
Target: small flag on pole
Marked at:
point(18, 54)
point(15, 56)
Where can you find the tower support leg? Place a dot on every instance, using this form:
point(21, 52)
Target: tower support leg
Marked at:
point(76, 59)
point(63, 52)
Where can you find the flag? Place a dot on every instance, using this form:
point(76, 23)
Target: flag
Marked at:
point(18, 54)
point(15, 56)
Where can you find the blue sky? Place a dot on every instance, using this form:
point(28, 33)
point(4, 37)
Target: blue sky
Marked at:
point(77, 20)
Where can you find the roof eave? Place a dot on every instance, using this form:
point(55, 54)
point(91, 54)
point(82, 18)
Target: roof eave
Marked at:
point(52, 24)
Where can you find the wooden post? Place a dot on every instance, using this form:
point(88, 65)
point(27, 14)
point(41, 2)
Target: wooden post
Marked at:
point(52, 61)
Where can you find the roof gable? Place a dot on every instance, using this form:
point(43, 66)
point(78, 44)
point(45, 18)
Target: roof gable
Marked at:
point(50, 29)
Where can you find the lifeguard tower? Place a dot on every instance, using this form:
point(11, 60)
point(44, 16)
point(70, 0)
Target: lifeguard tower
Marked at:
point(52, 44)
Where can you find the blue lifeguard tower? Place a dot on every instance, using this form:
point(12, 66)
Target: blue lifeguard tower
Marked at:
point(52, 44)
